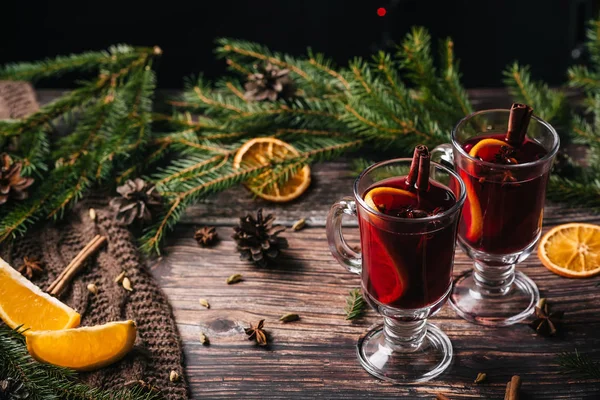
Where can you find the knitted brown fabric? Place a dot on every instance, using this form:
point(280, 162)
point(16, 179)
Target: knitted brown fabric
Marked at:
point(17, 100)
point(158, 349)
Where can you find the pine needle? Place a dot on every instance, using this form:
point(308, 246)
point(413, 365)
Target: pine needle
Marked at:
point(578, 363)
point(355, 304)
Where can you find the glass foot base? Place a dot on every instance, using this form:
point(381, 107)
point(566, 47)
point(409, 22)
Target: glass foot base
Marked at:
point(502, 310)
point(428, 361)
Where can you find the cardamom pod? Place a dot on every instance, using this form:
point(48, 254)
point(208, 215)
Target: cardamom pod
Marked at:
point(204, 302)
point(174, 376)
point(480, 377)
point(92, 214)
point(300, 224)
point(92, 288)
point(120, 277)
point(289, 317)
point(235, 278)
point(203, 339)
point(127, 284)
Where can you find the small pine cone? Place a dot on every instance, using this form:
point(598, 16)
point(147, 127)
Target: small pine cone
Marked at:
point(11, 389)
point(206, 236)
point(257, 239)
point(269, 83)
point(12, 184)
point(137, 198)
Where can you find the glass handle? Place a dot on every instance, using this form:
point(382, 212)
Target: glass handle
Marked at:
point(444, 155)
point(345, 255)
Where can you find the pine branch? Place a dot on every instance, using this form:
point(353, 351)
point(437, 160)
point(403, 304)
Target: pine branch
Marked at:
point(579, 363)
point(355, 304)
point(47, 382)
point(580, 194)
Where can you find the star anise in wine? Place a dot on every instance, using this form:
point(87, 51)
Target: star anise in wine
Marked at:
point(257, 333)
point(546, 323)
point(30, 266)
point(506, 155)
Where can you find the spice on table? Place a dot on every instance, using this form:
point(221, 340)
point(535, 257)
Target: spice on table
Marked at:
point(289, 317)
point(66, 276)
point(235, 278)
point(512, 388)
point(92, 288)
point(92, 213)
point(127, 284)
point(206, 236)
point(120, 277)
point(481, 377)
point(299, 225)
point(30, 266)
point(203, 339)
point(174, 376)
point(204, 303)
point(546, 323)
point(257, 333)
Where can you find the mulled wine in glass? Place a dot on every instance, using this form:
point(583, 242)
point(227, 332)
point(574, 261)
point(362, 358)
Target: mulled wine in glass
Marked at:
point(504, 158)
point(408, 220)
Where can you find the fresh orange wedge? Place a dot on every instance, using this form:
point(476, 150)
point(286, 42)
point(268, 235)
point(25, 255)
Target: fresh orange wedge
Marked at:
point(571, 250)
point(262, 151)
point(383, 197)
point(83, 349)
point(24, 304)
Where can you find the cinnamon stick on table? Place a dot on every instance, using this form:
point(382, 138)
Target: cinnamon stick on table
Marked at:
point(512, 388)
point(65, 277)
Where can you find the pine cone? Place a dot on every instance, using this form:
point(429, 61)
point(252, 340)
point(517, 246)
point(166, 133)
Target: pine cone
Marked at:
point(137, 198)
point(257, 239)
point(10, 389)
point(206, 236)
point(12, 184)
point(269, 83)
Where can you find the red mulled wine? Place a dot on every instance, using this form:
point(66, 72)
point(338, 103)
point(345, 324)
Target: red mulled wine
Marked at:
point(503, 212)
point(406, 270)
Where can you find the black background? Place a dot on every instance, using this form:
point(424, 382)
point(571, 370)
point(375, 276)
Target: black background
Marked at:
point(488, 34)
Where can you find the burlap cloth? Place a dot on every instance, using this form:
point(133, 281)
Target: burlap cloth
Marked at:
point(158, 349)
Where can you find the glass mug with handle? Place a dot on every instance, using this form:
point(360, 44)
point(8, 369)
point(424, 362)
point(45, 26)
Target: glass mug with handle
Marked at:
point(502, 216)
point(405, 266)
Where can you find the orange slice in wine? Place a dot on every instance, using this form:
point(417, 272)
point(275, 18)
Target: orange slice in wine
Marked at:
point(384, 275)
point(486, 149)
point(384, 198)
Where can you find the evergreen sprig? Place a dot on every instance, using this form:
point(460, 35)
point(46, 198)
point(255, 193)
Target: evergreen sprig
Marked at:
point(48, 382)
point(355, 304)
point(582, 364)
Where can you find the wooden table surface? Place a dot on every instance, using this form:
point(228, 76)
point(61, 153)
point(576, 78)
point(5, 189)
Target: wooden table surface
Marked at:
point(315, 357)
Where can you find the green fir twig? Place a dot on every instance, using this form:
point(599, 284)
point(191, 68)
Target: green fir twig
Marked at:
point(355, 304)
point(578, 363)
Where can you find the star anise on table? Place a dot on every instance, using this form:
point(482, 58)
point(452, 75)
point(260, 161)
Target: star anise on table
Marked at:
point(206, 236)
point(30, 266)
point(257, 333)
point(546, 323)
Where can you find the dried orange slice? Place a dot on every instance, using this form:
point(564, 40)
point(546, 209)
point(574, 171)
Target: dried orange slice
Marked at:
point(262, 151)
point(379, 197)
point(571, 250)
point(83, 349)
point(23, 303)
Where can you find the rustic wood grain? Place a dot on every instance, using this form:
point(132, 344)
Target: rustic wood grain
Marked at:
point(315, 357)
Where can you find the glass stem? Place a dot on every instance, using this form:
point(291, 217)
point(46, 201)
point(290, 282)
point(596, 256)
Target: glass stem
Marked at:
point(404, 336)
point(492, 280)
